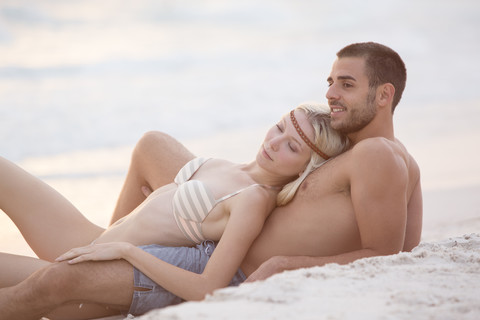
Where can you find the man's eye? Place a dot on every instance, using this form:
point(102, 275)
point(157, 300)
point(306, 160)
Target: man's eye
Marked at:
point(347, 85)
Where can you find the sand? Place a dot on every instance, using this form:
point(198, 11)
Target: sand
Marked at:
point(437, 280)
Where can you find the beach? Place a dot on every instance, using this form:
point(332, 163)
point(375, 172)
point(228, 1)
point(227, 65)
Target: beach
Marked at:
point(82, 81)
point(437, 280)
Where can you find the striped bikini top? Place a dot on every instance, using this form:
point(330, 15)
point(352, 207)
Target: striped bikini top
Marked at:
point(193, 201)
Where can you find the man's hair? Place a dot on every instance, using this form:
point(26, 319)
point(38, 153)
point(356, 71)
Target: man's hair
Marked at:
point(383, 65)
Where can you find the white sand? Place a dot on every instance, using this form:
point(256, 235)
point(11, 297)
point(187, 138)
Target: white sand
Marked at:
point(438, 280)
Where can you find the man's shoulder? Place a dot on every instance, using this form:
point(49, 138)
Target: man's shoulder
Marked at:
point(380, 152)
point(380, 147)
point(374, 144)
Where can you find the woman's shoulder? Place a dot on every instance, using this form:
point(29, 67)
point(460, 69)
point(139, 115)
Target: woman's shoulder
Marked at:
point(258, 197)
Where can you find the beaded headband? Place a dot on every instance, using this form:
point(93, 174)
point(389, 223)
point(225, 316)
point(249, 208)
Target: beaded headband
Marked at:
point(305, 138)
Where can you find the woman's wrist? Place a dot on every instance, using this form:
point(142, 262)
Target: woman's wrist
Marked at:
point(127, 250)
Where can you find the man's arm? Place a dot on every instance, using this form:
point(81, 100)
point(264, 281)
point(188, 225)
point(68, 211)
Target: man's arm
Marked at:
point(283, 263)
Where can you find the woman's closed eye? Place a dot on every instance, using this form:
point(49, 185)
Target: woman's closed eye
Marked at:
point(292, 147)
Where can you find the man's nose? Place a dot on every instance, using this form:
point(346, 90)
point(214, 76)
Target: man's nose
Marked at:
point(331, 93)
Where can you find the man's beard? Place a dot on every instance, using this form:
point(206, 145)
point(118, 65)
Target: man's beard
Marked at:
point(359, 118)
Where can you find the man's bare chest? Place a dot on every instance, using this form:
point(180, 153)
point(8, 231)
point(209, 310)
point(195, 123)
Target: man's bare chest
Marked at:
point(327, 180)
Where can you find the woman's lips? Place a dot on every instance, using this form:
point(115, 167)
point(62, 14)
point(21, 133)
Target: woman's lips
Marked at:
point(265, 154)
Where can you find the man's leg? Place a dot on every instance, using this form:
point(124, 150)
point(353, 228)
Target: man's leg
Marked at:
point(80, 311)
point(14, 268)
point(156, 160)
point(108, 284)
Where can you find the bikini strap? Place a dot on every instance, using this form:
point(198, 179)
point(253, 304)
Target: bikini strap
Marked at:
point(243, 189)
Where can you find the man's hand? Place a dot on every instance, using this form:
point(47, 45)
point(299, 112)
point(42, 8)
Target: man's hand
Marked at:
point(268, 268)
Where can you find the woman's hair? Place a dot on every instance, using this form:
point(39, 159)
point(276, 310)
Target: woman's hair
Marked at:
point(326, 139)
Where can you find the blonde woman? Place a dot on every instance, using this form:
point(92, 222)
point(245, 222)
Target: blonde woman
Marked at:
point(211, 200)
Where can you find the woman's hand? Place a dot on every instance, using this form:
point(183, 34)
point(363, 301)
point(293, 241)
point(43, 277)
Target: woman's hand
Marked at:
point(96, 252)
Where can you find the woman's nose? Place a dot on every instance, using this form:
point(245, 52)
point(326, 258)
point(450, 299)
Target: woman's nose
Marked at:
point(274, 143)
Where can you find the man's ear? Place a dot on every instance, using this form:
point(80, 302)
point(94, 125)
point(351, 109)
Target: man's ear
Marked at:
point(385, 93)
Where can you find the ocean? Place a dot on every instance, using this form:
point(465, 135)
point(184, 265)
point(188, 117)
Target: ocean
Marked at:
point(81, 80)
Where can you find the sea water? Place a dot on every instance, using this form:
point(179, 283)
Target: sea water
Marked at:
point(81, 80)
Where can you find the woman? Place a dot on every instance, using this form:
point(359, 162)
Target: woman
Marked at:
point(210, 199)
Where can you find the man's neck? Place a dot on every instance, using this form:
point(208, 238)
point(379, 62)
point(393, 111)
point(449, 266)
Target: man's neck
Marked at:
point(379, 127)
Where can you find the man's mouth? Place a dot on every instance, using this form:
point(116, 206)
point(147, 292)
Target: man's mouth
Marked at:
point(336, 107)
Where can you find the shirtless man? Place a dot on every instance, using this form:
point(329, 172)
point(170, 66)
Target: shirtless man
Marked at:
point(365, 202)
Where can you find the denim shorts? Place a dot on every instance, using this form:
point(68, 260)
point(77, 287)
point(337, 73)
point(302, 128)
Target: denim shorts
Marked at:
point(193, 259)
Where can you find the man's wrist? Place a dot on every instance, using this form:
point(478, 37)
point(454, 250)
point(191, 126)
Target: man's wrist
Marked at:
point(280, 263)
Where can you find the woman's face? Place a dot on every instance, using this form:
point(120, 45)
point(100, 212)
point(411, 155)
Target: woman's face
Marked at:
point(283, 151)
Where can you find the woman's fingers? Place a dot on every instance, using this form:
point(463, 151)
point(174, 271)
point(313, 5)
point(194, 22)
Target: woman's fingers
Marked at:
point(75, 252)
point(95, 252)
point(81, 258)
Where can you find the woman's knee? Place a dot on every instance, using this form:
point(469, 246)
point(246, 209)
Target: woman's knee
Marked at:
point(159, 152)
point(153, 139)
point(154, 146)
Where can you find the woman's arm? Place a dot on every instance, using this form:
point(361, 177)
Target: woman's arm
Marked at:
point(247, 214)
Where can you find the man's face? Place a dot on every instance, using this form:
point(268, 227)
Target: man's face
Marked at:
point(351, 101)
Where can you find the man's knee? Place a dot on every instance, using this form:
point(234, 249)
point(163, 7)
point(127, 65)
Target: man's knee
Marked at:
point(59, 284)
point(48, 285)
point(64, 283)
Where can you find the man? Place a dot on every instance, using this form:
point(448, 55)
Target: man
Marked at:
point(365, 202)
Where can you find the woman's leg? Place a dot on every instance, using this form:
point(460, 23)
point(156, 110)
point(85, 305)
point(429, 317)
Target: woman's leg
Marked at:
point(50, 224)
point(156, 160)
